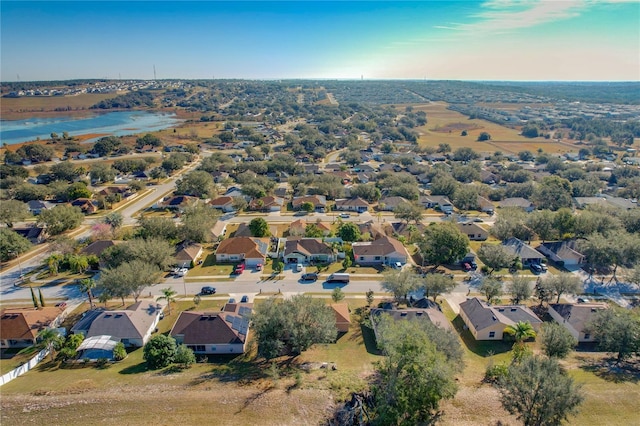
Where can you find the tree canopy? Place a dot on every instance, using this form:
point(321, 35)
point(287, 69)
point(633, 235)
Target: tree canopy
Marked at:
point(443, 243)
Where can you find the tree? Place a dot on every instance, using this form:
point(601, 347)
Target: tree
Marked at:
point(153, 251)
point(369, 296)
point(160, 351)
point(443, 243)
point(443, 184)
point(563, 283)
point(556, 340)
point(157, 227)
point(129, 278)
point(51, 340)
point(12, 245)
point(33, 298)
point(542, 223)
point(78, 190)
point(413, 377)
point(552, 193)
point(539, 392)
point(400, 282)
point(520, 289)
point(13, 211)
point(61, 218)
point(307, 207)
point(437, 284)
point(494, 256)
point(197, 222)
point(259, 227)
point(520, 331)
point(337, 294)
point(114, 219)
point(277, 266)
point(617, 331)
point(465, 154)
point(491, 288)
point(197, 183)
point(168, 294)
point(543, 292)
point(349, 231)
point(184, 356)
point(466, 198)
point(87, 285)
point(347, 262)
point(299, 322)
point(119, 352)
point(484, 136)
point(65, 171)
point(408, 212)
point(41, 298)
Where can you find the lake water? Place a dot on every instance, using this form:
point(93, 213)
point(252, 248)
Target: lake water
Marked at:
point(117, 123)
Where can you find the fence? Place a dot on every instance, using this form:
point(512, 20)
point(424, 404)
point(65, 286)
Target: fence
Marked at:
point(6, 378)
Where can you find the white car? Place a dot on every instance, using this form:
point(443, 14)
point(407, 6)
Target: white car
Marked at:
point(345, 215)
point(299, 267)
point(182, 272)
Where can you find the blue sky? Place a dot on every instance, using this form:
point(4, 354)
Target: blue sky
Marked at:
point(458, 40)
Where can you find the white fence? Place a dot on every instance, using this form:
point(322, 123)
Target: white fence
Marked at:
point(6, 378)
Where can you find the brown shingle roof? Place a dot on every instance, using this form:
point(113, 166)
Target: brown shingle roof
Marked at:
point(249, 247)
point(200, 328)
point(26, 323)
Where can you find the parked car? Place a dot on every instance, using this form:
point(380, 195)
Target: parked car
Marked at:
point(245, 299)
point(61, 305)
point(466, 267)
point(396, 265)
point(299, 267)
point(310, 277)
point(182, 272)
point(239, 269)
point(259, 266)
point(345, 215)
point(535, 268)
point(207, 290)
point(232, 300)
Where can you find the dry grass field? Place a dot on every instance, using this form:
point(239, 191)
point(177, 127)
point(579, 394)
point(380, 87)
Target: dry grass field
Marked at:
point(45, 106)
point(445, 126)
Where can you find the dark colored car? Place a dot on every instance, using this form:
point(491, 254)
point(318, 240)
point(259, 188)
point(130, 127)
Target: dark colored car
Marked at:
point(536, 268)
point(310, 277)
point(244, 299)
point(207, 290)
point(232, 300)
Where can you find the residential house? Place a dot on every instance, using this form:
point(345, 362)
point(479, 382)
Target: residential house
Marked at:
point(487, 177)
point(343, 317)
point(308, 250)
point(36, 207)
point(485, 206)
point(345, 177)
point(219, 230)
point(583, 202)
point(426, 311)
point(85, 204)
point(374, 230)
point(110, 190)
point(35, 234)
point(563, 252)
point(319, 202)
point(19, 327)
point(352, 204)
point(132, 326)
point(178, 202)
point(299, 227)
point(187, 254)
point(96, 248)
point(473, 231)
point(267, 204)
point(238, 249)
point(224, 203)
point(523, 251)
point(487, 322)
point(575, 316)
point(523, 203)
point(439, 202)
point(390, 203)
point(212, 333)
point(382, 251)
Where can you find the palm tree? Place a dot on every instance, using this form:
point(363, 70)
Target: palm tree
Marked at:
point(50, 339)
point(86, 286)
point(168, 295)
point(520, 331)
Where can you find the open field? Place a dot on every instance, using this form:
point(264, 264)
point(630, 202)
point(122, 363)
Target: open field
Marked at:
point(445, 126)
point(45, 106)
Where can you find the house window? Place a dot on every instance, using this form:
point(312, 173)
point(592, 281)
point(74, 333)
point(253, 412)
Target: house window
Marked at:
point(492, 334)
point(361, 257)
point(587, 336)
point(200, 348)
point(377, 258)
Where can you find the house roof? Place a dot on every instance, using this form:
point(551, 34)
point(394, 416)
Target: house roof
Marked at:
point(563, 249)
point(357, 202)
point(249, 247)
point(29, 232)
point(483, 315)
point(518, 248)
point(577, 314)
point(381, 247)
point(515, 202)
point(266, 202)
point(306, 246)
point(392, 202)
point(26, 323)
point(471, 228)
point(230, 326)
point(431, 314)
point(97, 247)
point(179, 200)
point(221, 201)
point(131, 323)
point(316, 200)
point(188, 251)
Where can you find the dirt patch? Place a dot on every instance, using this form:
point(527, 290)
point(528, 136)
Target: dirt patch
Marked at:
point(456, 127)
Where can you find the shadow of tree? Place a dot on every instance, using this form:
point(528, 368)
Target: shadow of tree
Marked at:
point(369, 339)
point(135, 369)
point(608, 370)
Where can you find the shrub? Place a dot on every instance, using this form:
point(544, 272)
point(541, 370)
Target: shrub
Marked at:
point(495, 372)
point(119, 352)
point(102, 363)
point(184, 356)
point(159, 351)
